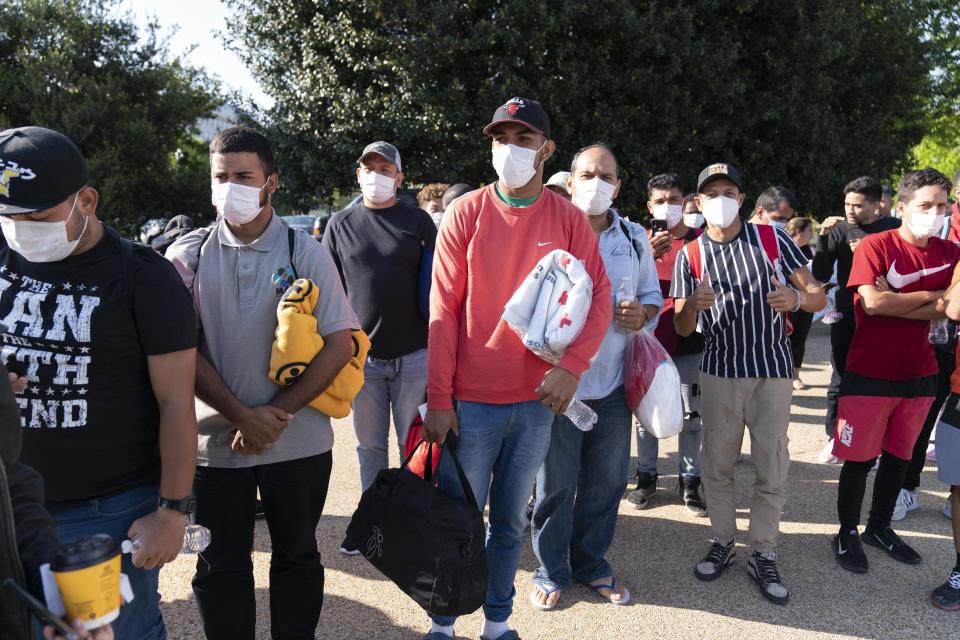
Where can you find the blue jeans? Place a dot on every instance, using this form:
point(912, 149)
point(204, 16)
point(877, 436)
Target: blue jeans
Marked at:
point(141, 618)
point(500, 448)
point(400, 383)
point(648, 447)
point(579, 488)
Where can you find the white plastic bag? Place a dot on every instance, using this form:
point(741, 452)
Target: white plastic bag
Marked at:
point(652, 385)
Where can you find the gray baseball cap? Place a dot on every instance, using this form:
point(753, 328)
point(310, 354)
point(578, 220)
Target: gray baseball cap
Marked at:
point(383, 149)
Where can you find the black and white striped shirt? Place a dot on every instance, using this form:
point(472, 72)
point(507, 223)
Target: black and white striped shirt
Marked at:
point(745, 338)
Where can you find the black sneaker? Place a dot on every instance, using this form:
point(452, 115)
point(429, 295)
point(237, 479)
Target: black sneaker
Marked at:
point(890, 542)
point(719, 557)
point(689, 487)
point(347, 548)
point(531, 505)
point(762, 567)
point(258, 510)
point(646, 488)
point(947, 595)
point(848, 550)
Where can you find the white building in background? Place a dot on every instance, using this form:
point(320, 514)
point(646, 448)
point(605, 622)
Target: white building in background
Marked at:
point(224, 117)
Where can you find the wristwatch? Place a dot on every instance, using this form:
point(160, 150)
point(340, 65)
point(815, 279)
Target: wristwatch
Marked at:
point(185, 506)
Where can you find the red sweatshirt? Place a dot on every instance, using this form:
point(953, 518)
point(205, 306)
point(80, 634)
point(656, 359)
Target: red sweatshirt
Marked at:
point(484, 251)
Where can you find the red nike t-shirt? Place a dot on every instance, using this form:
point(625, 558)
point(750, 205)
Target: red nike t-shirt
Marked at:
point(892, 348)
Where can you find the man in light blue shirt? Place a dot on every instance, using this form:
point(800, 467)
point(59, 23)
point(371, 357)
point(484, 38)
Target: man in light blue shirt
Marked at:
point(582, 480)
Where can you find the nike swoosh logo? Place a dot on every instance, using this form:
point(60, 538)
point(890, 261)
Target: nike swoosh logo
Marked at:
point(901, 280)
point(543, 244)
point(840, 548)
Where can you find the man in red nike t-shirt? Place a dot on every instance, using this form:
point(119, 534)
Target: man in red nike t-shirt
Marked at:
point(898, 279)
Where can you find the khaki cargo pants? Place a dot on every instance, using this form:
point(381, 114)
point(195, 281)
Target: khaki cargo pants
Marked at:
point(763, 406)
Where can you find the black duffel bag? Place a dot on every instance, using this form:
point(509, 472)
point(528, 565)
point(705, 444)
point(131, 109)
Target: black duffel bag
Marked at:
point(428, 543)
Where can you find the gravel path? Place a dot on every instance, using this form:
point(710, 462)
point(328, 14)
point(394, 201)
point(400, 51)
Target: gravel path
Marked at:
point(654, 553)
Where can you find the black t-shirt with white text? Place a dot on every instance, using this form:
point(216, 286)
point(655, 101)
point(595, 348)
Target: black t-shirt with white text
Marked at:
point(81, 329)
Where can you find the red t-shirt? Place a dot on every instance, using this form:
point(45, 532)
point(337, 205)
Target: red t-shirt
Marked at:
point(892, 348)
point(665, 331)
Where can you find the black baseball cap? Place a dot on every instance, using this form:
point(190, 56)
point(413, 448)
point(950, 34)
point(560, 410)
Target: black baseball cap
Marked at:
point(383, 149)
point(39, 169)
point(523, 110)
point(718, 170)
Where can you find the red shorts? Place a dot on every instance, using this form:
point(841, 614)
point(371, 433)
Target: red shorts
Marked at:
point(867, 425)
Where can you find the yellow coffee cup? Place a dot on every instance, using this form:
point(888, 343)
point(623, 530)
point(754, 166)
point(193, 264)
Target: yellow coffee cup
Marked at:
point(87, 572)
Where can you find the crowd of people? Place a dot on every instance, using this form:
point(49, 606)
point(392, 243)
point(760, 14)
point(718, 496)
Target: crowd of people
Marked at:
point(138, 380)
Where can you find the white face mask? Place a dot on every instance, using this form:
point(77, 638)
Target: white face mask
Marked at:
point(925, 224)
point(515, 165)
point(672, 213)
point(693, 220)
point(237, 203)
point(593, 196)
point(721, 211)
point(41, 241)
point(375, 187)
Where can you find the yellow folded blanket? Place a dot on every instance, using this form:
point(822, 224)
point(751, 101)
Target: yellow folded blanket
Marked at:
point(298, 342)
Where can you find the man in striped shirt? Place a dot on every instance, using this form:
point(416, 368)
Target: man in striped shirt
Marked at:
point(729, 284)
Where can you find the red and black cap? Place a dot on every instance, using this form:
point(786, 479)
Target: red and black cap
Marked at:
point(718, 170)
point(529, 113)
point(39, 169)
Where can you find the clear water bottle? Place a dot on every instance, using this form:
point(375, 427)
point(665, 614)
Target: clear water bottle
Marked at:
point(582, 416)
point(939, 331)
point(196, 538)
point(625, 293)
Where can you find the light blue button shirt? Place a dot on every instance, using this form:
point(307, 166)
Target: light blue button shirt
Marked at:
point(620, 259)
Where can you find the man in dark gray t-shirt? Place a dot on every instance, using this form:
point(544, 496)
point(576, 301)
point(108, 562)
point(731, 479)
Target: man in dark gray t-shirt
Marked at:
point(384, 248)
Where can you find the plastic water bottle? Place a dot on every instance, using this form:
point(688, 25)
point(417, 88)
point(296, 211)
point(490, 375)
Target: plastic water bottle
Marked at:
point(196, 538)
point(582, 416)
point(939, 332)
point(625, 293)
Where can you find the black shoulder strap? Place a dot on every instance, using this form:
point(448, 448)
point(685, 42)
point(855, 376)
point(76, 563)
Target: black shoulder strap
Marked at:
point(291, 245)
point(633, 241)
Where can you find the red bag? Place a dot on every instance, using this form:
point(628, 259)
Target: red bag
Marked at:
point(644, 355)
point(418, 463)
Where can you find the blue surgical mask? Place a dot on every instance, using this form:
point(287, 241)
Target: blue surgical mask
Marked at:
point(779, 224)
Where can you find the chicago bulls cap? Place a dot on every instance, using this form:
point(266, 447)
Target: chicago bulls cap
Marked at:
point(39, 169)
point(718, 170)
point(523, 111)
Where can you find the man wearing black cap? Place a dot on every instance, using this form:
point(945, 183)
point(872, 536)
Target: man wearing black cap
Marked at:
point(506, 397)
point(105, 335)
point(377, 246)
point(729, 284)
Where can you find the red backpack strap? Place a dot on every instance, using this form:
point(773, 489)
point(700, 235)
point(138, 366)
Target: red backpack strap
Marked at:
point(695, 258)
point(768, 238)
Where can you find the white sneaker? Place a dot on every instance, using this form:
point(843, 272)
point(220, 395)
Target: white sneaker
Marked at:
point(947, 509)
point(826, 454)
point(932, 452)
point(906, 502)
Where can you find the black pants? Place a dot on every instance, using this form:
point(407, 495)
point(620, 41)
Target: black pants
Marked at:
point(841, 335)
point(947, 361)
point(801, 321)
point(293, 494)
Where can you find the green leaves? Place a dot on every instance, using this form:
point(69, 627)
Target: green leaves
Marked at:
point(804, 93)
point(83, 68)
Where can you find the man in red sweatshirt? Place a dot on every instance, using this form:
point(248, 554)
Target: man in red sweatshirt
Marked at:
point(483, 384)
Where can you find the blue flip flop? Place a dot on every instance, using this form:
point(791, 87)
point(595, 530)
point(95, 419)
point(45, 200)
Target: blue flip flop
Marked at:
point(546, 587)
point(509, 635)
point(613, 587)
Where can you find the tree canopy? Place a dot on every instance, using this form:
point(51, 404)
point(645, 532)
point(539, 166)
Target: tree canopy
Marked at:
point(803, 93)
point(83, 68)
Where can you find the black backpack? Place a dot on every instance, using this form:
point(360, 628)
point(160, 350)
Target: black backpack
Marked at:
point(291, 243)
point(429, 544)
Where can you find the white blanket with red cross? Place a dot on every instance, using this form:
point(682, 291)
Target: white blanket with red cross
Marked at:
point(549, 309)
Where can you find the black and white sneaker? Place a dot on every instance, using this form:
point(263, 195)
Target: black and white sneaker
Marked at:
point(947, 595)
point(689, 487)
point(347, 548)
point(719, 557)
point(890, 542)
point(848, 550)
point(762, 567)
point(646, 488)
